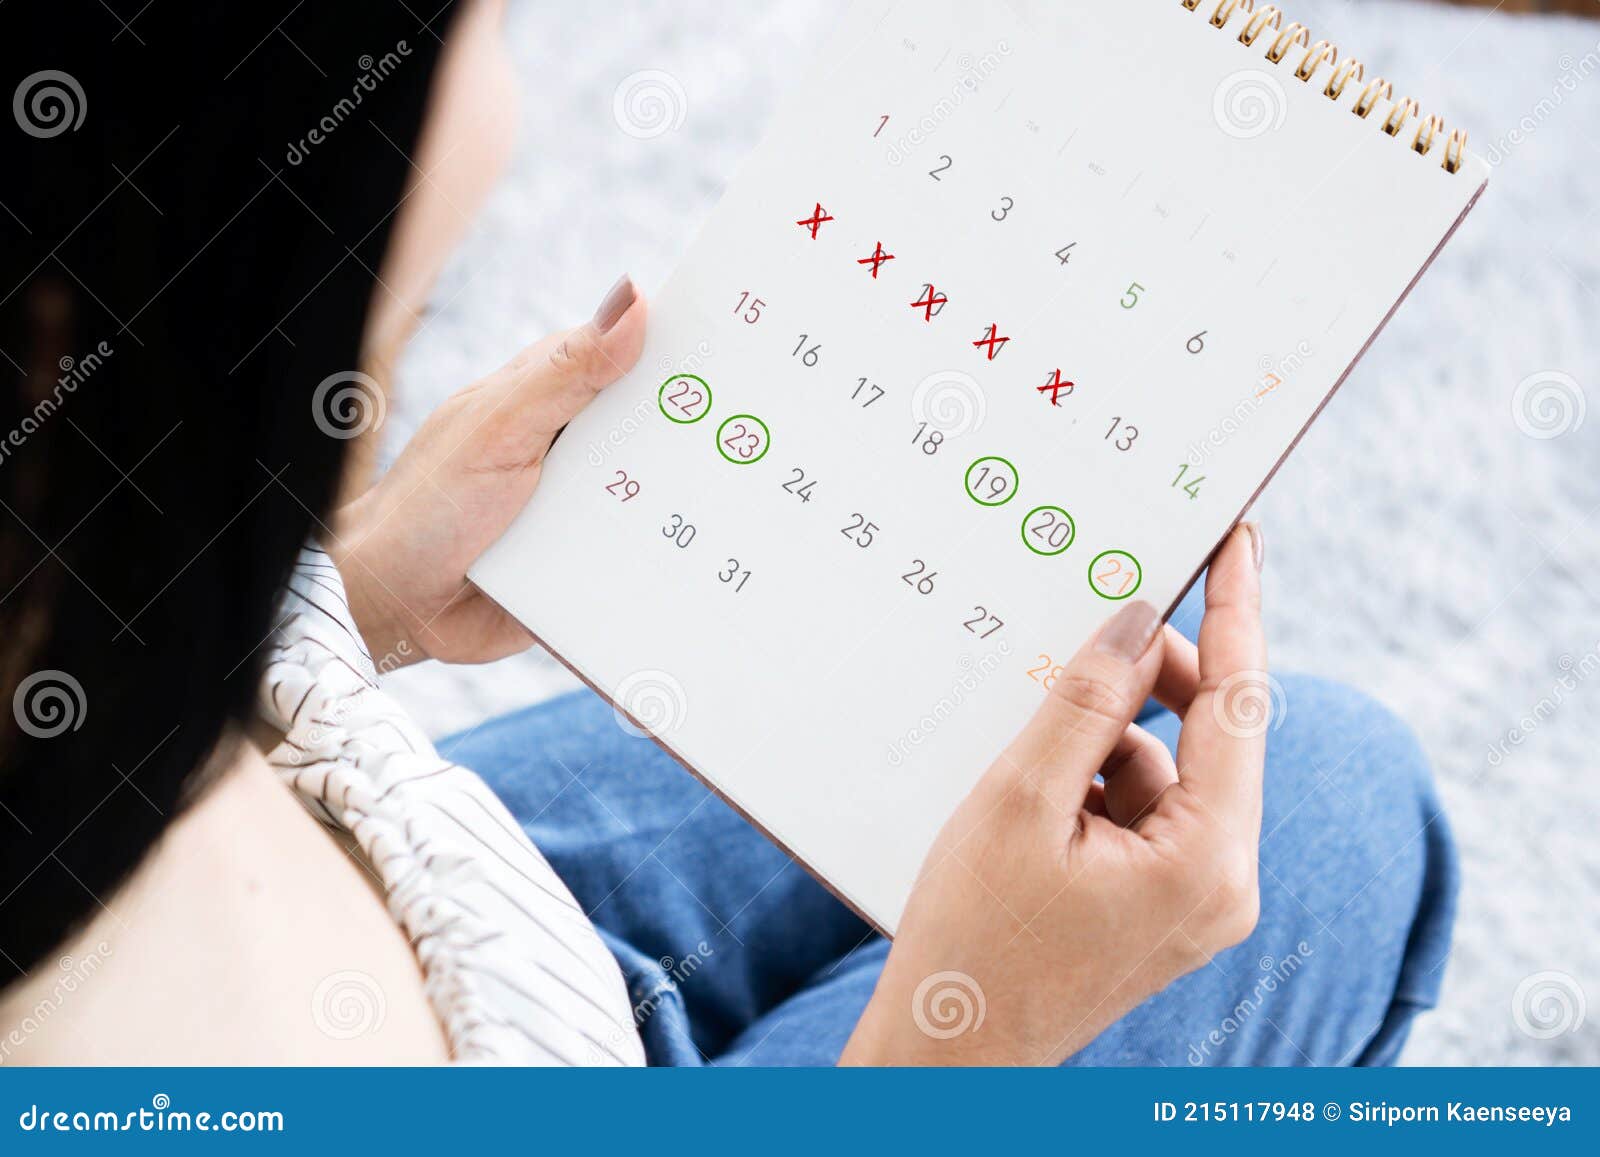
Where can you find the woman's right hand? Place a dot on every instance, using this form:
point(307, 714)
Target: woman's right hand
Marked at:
point(1055, 904)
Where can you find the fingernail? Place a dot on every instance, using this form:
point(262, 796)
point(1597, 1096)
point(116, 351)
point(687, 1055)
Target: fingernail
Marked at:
point(615, 303)
point(1130, 631)
point(1258, 543)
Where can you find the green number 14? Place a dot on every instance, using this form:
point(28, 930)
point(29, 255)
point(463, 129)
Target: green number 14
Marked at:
point(1191, 487)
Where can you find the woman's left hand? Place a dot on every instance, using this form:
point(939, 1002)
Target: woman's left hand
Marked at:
point(403, 547)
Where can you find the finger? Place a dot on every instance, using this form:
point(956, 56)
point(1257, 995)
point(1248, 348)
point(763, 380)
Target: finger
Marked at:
point(1222, 746)
point(1180, 672)
point(1087, 708)
point(1139, 770)
point(548, 384)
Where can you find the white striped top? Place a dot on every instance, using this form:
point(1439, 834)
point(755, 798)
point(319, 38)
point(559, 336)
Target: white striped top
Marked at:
point(513, 968)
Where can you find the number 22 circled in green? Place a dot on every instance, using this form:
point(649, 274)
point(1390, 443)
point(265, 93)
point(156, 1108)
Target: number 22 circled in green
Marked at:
point(689, 402)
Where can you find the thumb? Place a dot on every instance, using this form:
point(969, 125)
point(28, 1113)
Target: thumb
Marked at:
point(548, 384)
point(1088, 708)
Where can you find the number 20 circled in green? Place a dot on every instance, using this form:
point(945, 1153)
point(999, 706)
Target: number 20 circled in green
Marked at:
point(691, 400)
point(1056, 531)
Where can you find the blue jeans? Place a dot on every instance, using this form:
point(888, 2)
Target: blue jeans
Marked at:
point(735, 955)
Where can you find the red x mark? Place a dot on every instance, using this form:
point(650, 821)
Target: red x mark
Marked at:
point(814, 222)
point(1056, 387)
point(878, 258)
point(930, 301)
point(992, 340)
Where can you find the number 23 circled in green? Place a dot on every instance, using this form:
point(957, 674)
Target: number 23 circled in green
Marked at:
point(743, 439)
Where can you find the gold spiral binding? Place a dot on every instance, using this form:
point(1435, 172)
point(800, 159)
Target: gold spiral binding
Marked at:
point(1269, 17)
point(1429, 127)
point(1322, 50)
point(1225, 9)
point(1377, 89)
point(1351, 69)
point(1398, 112)
point(1295, 33)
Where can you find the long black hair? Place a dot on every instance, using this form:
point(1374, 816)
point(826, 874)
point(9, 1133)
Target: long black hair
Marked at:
point(196, 200)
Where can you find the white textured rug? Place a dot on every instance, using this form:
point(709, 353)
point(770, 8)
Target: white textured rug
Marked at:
point(1432, 541)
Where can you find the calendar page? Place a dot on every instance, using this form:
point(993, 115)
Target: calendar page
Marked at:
point(1007, 320)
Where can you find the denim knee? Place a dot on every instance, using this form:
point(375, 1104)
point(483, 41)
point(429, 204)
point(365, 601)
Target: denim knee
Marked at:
point(1356, 848)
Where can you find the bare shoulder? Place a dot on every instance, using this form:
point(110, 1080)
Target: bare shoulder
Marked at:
point(248, 936)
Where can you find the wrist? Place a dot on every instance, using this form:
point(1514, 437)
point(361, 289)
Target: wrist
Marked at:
point(890, 1033)
point(380, 617)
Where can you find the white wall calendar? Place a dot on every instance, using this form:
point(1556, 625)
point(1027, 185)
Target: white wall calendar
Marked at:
point(1008, 319)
